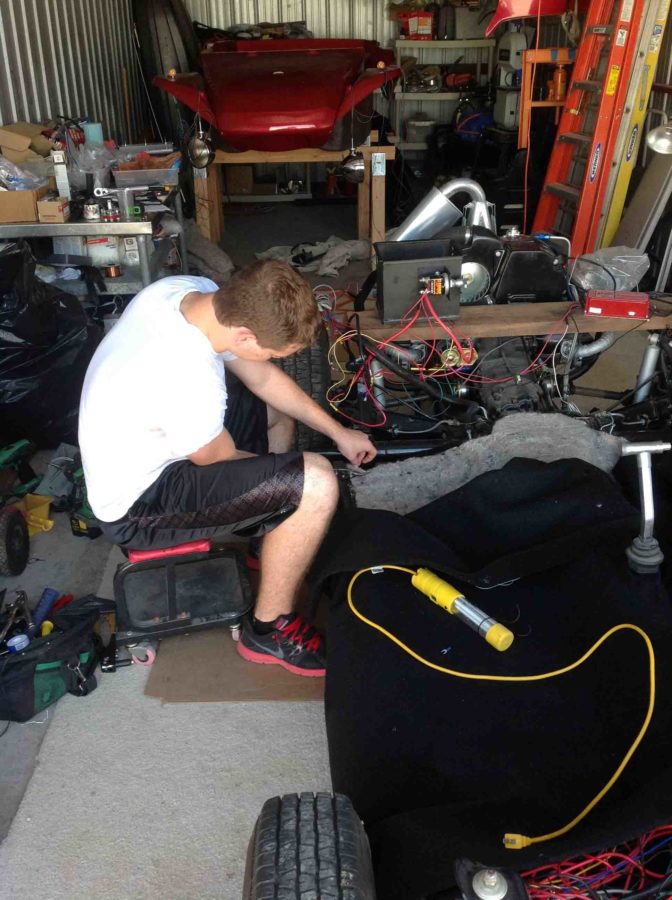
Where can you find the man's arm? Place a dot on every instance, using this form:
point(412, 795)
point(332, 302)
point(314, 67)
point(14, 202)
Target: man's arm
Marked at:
point(219, 449)
point(272, 385)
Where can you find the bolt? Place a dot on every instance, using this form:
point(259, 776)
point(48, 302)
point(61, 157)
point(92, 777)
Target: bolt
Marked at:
point(490, 877)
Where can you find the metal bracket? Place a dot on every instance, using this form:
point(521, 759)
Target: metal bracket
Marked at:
point(378, 164)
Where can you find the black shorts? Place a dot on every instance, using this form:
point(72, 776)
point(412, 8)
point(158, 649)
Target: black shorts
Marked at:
point(244, 496)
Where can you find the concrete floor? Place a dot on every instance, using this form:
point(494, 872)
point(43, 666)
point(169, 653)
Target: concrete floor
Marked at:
point(74, 565)
point(60, 560)
point(79, 566)
point(251, 228)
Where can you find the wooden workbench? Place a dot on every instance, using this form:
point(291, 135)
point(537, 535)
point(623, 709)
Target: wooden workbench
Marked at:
point(509, 320)
point(370, 194)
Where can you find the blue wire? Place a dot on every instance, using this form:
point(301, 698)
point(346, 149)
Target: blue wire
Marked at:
point(621, 865)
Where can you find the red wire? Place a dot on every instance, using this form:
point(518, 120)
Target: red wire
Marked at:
point(466, 360)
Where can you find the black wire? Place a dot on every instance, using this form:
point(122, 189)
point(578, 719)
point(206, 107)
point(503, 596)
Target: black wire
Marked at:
point(619, 403)
point(653, 890)
point(592, 262)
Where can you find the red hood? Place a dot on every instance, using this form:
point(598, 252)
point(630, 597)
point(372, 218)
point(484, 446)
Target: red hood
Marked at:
point(282, 95)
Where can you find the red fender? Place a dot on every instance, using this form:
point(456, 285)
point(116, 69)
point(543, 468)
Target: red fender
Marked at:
point(529, 9)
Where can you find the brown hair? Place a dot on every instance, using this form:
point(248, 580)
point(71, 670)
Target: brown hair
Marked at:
point(273, 301)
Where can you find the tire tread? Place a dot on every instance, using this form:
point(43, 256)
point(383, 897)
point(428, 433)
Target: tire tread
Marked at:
point(309, 368)
point(309, 847)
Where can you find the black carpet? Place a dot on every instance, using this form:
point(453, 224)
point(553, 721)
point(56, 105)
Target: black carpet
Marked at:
point(440, 767)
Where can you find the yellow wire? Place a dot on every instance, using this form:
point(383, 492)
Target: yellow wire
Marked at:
point(519, 841)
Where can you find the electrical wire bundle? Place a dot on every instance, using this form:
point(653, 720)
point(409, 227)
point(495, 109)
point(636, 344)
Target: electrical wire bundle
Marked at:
point(638, 869)
point(448, 358)
point(433, 364)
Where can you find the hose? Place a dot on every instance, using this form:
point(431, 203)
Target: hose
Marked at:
point(513, 841)
point(606, 340)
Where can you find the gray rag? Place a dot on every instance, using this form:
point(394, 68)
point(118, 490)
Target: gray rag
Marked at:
point(330, 255)
point(405, 486)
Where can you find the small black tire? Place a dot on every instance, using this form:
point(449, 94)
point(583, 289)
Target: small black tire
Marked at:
point(309, 847)
point(309, 368)
point(14, 542)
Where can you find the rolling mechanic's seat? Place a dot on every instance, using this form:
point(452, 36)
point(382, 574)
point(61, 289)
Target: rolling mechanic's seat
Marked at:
point(179, 589)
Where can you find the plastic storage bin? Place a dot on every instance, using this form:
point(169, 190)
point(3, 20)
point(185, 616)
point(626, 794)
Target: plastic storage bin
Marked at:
point(139, 177)
point(418, 129)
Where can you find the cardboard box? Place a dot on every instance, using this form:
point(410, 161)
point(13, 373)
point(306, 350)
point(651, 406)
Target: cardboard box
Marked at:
point(27, 129)
point(54, 211)
point(12, 140)
point(20, 206)
point(18, 156)
point(239, 179)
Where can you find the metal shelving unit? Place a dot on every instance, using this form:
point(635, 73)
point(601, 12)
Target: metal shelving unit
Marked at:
point(480, 52)
point(135, 277)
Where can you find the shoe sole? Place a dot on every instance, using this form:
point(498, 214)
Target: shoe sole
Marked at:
point(264, 659)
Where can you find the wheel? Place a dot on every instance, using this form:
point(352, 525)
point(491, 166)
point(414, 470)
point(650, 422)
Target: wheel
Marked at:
point(14, 542)
point(308, 847)
point(309, 368)
point(167, 41)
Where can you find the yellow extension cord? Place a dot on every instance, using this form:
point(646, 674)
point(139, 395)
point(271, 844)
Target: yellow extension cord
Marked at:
point(519, 841)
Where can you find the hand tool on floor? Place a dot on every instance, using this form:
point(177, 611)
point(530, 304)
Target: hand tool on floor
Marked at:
point(16, 612)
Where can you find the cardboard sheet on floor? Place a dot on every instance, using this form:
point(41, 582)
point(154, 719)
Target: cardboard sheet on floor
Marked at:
point(205, 668)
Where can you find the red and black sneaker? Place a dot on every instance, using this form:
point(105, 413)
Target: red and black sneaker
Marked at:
point(292, 643)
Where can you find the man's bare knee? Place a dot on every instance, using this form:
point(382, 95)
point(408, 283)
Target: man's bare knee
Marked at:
point(320, 483)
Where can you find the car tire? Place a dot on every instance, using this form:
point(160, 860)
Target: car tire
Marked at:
point(309, 847)
point(14, 542)
point(309, 368)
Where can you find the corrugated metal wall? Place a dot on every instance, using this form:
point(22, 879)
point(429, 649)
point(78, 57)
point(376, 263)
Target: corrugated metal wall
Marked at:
point(366, 19)
point(65, 57)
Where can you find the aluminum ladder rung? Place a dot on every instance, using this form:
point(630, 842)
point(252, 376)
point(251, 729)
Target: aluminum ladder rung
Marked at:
point(575, 137)
point(587, 86)
point(566, 191)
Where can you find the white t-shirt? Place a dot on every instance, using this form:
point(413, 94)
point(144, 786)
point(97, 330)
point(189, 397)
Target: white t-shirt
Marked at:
point(154, 393)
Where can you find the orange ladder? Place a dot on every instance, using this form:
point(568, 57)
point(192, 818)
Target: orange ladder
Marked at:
point(578, 172)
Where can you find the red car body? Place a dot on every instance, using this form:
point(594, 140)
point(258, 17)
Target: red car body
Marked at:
point(282, 94)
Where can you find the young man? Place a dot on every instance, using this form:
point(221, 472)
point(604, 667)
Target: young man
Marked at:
point(174, 450)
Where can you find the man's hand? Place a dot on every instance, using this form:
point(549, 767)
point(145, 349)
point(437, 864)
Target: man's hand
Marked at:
point(277, 389)
point(355, 446)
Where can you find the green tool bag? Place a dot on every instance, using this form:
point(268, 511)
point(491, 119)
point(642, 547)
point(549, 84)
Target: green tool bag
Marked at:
point(62, 662)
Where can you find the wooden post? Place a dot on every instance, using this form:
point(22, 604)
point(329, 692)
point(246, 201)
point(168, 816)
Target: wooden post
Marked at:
point(377, 197)
point(208, 196)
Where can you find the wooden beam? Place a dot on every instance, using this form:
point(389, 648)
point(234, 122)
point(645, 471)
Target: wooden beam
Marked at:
point(308, 155)
point(377, 204)
point(364, 204)
point(509, 320)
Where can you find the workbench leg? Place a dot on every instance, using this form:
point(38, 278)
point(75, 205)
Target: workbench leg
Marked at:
point(208, 194)
point(144, 243)
point(378, 166)
point(364, 203)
